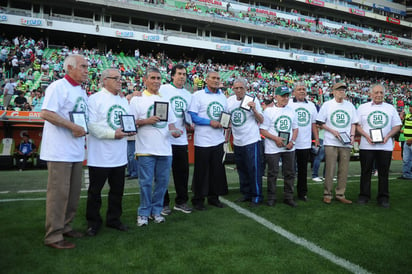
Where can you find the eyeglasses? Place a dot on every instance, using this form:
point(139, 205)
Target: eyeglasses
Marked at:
point(117, 78)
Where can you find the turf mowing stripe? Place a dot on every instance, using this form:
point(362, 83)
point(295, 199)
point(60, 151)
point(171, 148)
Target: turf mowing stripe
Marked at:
point(298, 240)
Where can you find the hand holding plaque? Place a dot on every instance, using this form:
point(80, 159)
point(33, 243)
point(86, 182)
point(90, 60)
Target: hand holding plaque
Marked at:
point(224, 119)
point(245, 101)
point(161, 110)
point(128, 123)
point(79, 118)
point(344, 138)
point(376, 135)
point(285, 135)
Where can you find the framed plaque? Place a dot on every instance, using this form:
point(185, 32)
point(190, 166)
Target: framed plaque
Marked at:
point(187, 118)
point(376, 135)
point(128, 123)
point(245, 101)
point(161, 110)
point(79, 118)
point(285, 135)
point(224, 119)
point(344, 138)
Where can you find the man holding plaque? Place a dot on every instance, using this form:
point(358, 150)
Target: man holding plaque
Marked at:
point(306, 115)
point(338, 118)
point(378, 123)
point(153, 147)
point(107, 151)
point(280, 130)
point(179, 99)
point(209, 176)
point(63, 145)
point(246, 115)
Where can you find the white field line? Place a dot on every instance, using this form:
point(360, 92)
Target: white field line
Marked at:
point(297, 240)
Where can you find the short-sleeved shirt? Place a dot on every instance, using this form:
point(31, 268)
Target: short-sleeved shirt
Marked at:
point(306, 116)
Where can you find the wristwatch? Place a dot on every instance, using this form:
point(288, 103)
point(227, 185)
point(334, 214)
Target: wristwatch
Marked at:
point(293, 142)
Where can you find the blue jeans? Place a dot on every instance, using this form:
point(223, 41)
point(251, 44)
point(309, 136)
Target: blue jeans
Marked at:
point(318, 159)
point(153, 169)
point(407, 161)
point(131, 161)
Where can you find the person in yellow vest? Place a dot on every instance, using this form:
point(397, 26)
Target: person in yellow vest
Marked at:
point(407, 148)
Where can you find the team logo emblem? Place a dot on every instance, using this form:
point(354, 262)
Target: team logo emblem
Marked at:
point(113, 116)
point(238, 117)
point(303, 117)
point(179, 105)
point(340, 118)
point(214, 109)
point(378, 119)
point(81, 106)
point(283, 123)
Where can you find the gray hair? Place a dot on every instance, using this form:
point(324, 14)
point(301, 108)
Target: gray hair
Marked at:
point(150, 70)
point(377, 85)
point(71, 60)
point(299, 84)
point(210, 72)
point(106, 72)
point(241, 80)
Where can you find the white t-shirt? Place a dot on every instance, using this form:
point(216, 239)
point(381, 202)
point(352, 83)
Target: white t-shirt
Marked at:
point(58, 143)
point(103, 149)
point(151, 139)
point(383, 116)
point(180, 100)
point(306, 116)
point(277, 120)
point(209, 106)
point(245, 128)
point(337, 116)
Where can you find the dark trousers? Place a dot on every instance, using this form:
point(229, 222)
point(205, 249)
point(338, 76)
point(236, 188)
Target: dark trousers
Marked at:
point(382, 162)
point(248, 165)
point(180, 171)
point(302, 159)
point(98, 177)
point(288, 171)
point(209, 175)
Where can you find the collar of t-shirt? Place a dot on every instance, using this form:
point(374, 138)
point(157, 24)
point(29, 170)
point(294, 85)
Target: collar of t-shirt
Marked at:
point(295, 100)
point(71, 81)
point(208, 91)
point(147, 93)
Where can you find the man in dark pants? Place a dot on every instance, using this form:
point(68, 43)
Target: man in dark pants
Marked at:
point(179, 99)
point(382, 120)
point(306, 115)
point(107, 152)
point(209, 176)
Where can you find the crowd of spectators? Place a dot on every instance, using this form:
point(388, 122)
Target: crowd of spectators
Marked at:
point(36, 70)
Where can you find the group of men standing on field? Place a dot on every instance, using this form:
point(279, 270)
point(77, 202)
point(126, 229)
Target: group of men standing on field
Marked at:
point(161, 145)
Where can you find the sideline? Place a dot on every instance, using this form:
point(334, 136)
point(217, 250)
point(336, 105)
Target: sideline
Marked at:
point(297, 240)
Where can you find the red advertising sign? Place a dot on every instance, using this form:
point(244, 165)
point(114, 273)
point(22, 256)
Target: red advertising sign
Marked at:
point(316, 3)
point(357, 12)
point(393, 20)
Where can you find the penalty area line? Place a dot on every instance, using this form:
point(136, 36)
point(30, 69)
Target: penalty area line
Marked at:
point(312, 247)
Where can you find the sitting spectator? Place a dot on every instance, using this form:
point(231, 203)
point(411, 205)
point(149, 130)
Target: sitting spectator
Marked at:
point(38, 100)
point(21, 102)
point(24, 150)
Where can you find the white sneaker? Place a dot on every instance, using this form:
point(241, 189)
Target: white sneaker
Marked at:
point(375, 173)
point(158, 219)
point(317, 179)
point(142, 220)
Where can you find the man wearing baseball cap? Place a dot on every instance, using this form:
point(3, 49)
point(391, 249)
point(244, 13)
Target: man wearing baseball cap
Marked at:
point(338, 118)
point(280, 129)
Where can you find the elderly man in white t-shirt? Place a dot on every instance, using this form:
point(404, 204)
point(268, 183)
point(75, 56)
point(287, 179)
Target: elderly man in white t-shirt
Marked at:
point(378, 123)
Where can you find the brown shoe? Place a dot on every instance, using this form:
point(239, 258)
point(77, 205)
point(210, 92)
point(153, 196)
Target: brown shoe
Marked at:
point(327, 200)
point(73, 234)
point(63, 244)
point(343, 200)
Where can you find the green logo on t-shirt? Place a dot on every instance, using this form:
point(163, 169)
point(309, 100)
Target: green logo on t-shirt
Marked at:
point(238, 117)
point(81, 106)
point(179, 105)
point(340, 118)
point(378, 119)
point(283, 123)
point(113, 116)
point(303, 117)
point(214, 109)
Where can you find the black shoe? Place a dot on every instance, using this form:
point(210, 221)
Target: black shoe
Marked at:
point(120, 227)
point(271, 202)
point(290, 202)
point(303, 198)
point(200, 207)
point(242, 199)
point(216, 204)
point(362, 201)
point(132, 177)
point(252, 204)
point(91, 231)
point(384, 204)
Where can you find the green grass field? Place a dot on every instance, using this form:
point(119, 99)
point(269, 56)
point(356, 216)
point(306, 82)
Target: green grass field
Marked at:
point(312, 238)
